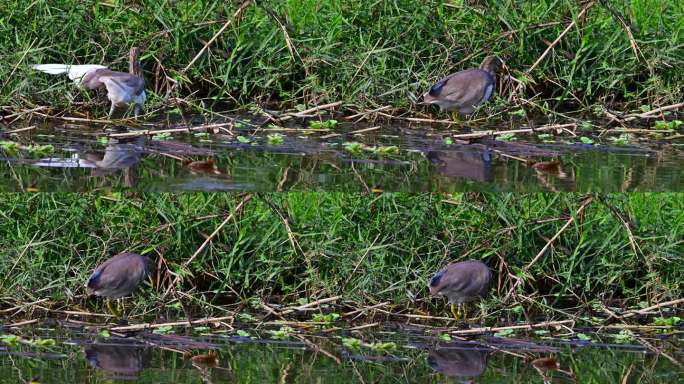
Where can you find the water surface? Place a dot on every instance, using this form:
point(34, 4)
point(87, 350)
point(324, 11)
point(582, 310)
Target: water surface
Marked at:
point(349, 158)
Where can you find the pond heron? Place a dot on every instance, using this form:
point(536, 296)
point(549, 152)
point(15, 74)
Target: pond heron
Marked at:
point(463, 91)
point(119, 276)
point(122, 88)
point(461, 283)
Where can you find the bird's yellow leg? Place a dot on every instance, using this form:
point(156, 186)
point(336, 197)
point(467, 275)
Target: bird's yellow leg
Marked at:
point(456, 313)
point(455, 117)
point(115, 311)
point(463, 310)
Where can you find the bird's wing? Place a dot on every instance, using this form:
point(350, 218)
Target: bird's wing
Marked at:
point(121, 82)
point(75, 72)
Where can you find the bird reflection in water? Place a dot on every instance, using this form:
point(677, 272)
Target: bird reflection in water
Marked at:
point(458, 362)
point(118, 155)
point(473, 164)
point(119, 362)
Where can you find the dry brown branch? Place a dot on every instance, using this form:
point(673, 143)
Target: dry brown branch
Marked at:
point(646, 310)
point(181, 323)
point(308, 306)
point(241, 204)
point(288, 116)
point(236, 16)
point(558, 39)
point(571, 220)
point(482, 134)
point(545, 324)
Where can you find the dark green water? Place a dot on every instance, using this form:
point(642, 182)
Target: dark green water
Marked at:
point(86, 357)
point(247, 160)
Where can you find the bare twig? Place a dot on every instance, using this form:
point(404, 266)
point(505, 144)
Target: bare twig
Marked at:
point(646, 310)
point(571, 220)
point(242, 202)
point(488, 133)
point(310, 110)
point(310, 305)
point(558, 39)
point(236, 16)
point(546, 324)
point(182, 323)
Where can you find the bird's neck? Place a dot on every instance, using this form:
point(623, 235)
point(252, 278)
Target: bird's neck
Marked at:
point(134, 62)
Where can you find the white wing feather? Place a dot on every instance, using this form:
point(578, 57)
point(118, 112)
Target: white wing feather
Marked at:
point(75, 72)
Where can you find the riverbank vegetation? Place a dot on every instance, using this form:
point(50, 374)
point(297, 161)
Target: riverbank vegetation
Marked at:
point(554, 256)
point(199, 56)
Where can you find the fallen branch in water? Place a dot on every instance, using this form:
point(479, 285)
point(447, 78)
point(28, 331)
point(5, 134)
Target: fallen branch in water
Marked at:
point(482, 134)
point(310, 110)
point(182, 323)
point(646, 310)
point(309, 306)
point(150, 132)
point(481, 330)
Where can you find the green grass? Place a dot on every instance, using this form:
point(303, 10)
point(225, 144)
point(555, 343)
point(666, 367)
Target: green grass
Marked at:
point(363, 53)
point(367, 248)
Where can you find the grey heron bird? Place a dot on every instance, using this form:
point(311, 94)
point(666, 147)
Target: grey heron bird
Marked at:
point(123, 88)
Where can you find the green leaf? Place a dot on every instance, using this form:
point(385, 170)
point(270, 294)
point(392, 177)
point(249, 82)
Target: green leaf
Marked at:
point(353, 344)
point(506, 137)
point(667, 321)
point(586, 126)
point(162, 136)
point(329, 124)
point(388, 347)
point(163, 330)
point(105, 333)
point(387, 151)
point(582, 336)
point(243, 333)
point(10, 340)
point(504, 333)
point(586, 140)
point(353, 147)
point(620, 140)
point(243, 140)
point(41, 149)
point(275, 139)
point(448, 140)
point(445, 337)
point(10, 147)
point(44, 343)
point(625, 336)
point(283, 333)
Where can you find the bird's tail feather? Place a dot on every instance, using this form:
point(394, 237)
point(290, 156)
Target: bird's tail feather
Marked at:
point(75, 72)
